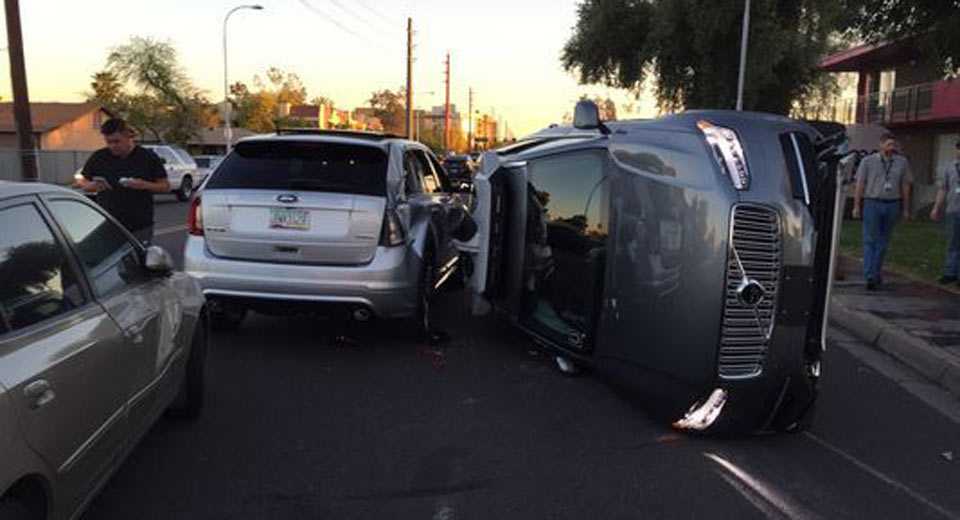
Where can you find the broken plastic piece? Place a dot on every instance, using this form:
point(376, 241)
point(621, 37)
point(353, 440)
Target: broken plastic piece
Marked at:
point(703, 414)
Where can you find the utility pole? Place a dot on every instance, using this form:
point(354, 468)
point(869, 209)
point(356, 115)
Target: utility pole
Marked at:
point(744, 36)
point(470, 123)
point(410, 134)
point(446, 107)
point(21, 98)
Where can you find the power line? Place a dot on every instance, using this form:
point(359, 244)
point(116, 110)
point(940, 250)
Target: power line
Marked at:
point(376, 13)
point(362, 19)
point(328, 17)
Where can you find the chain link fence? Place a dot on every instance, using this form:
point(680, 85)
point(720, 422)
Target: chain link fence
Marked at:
point(53, 166)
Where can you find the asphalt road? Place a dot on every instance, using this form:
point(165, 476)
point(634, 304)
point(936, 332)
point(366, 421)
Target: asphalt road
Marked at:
point(300, 426)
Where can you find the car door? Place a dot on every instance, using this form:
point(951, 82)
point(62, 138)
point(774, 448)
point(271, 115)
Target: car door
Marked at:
point(565, 246)
point(144, 306)
point(61, 355)
point(440, 199)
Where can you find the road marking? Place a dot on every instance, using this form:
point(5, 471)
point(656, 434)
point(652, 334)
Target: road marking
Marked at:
point(880, 475)
point(169, 229)
point(762, 495)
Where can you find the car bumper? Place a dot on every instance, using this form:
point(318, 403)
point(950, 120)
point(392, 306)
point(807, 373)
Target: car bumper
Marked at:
point(386, 286)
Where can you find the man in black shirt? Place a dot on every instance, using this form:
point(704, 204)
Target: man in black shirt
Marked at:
point(125, 176)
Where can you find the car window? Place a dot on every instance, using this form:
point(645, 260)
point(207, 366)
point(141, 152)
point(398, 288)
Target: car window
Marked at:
point(110, 259)
point(166, 155)
point(36, 280)
point(303, 165)
point(442, 174)
point(184, 157)
point(411, 172)
point(431, 184)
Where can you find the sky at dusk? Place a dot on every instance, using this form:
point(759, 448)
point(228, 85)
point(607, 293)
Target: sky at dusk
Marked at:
point(508, 51)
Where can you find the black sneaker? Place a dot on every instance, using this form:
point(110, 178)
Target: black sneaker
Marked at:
point(871, 285)
point(946, 279)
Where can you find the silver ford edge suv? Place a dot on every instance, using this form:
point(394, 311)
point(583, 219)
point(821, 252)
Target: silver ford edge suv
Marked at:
point(305, 220)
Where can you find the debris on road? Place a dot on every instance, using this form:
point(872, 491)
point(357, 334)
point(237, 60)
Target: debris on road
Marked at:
point(947, 455)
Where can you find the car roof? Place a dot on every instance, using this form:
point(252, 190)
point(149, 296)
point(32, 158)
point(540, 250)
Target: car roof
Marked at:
point(16, 189)
point(558, 137)
point(334, 136)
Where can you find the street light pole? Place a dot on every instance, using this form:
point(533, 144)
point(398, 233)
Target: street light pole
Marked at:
point(227, 130)
point(745, 32)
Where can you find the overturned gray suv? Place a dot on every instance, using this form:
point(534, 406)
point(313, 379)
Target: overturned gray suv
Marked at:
point(687, 258)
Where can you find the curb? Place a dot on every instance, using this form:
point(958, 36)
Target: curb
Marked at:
point(929, 360)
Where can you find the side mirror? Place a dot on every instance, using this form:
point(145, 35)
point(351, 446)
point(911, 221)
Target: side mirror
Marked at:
point(460, 225)
point(158, 260)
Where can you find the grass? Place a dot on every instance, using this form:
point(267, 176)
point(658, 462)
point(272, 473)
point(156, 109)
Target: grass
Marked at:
point(917, 248)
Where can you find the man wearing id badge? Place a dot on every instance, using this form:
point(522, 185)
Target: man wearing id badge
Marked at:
point(948, 205)
point(883, 190)
point(125, 176)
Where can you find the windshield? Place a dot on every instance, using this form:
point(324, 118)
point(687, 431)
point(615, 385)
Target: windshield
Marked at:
point(300, 165)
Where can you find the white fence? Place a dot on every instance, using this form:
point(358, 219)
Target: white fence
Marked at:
point(56, 167)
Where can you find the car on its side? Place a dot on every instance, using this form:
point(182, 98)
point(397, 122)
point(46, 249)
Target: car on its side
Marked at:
point(311, 220)
point(98, 338)
point(702, 248)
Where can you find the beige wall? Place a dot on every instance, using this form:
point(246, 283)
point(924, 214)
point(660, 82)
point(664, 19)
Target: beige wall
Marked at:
point(80, 134)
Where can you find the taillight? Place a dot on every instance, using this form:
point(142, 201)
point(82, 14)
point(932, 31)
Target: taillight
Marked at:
point(195, 218)
point(391, 235)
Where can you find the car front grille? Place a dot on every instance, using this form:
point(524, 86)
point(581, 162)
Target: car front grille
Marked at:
point(755, 254)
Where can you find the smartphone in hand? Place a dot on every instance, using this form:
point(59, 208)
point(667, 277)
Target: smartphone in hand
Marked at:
point(102, 183)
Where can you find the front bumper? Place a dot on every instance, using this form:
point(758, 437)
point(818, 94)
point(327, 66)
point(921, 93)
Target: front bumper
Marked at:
point(386, 286)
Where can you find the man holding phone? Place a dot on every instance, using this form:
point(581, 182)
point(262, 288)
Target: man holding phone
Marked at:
point(125, 176)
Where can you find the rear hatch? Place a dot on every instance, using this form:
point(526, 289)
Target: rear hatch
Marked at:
point(297, 201)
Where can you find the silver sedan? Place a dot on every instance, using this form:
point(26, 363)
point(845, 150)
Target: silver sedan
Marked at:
point(98, 338)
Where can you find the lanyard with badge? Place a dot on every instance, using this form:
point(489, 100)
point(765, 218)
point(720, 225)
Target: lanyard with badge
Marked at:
point(887, 166)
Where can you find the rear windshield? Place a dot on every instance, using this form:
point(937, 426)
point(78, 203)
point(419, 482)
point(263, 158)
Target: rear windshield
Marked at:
point(305, 166)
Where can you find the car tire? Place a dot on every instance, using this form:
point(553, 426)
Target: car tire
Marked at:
point(186, 189)
point(421, 324)
point(227, 318)
point(12, 510)
point(189, 401)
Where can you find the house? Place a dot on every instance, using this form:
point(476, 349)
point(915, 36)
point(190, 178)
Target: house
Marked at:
point(57, 126)
point(899, 89)
point(212, 141)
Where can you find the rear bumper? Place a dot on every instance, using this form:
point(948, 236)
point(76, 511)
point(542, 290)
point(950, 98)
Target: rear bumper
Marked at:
point(387, 285)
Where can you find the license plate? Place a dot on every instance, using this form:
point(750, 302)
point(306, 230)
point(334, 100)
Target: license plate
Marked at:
point(289, 218)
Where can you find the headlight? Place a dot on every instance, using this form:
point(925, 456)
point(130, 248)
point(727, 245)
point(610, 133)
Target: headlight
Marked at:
point(728, 152)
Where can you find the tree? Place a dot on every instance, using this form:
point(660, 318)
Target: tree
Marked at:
point(143, 83)
point(620, 43)
point(390, 108)
point(932, 24)
point(260, 110)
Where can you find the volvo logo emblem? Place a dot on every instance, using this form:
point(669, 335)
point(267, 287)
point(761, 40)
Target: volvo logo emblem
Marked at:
point(750, 293)
point(288, 198)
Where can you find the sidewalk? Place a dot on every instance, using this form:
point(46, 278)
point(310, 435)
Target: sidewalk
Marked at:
point(915, 322)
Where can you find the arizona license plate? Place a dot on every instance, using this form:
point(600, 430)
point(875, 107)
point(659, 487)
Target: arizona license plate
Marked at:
point(289, 218)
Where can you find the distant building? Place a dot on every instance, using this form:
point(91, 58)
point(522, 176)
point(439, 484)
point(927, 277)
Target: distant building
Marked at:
point(900, 90)
point(485, 132)
point(57, 126)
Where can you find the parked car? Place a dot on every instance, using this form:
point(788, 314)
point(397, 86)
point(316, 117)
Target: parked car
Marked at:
point(701, 244)
point(98, 337)
point(184, 174)
point(306, 220)
point(459, 168)
point(206, 164)
point(182, 171)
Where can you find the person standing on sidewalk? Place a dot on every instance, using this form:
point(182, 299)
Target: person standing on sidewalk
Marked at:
point(125, 176)
point(883, 190)
point(948, 201)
